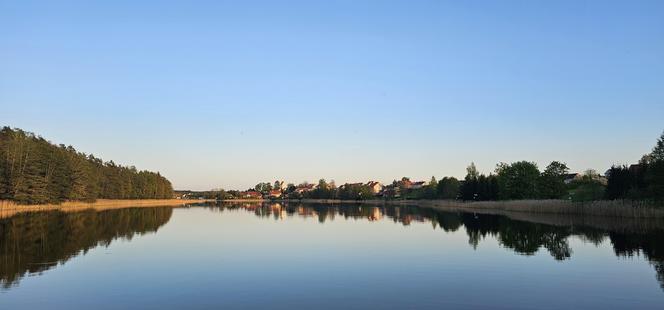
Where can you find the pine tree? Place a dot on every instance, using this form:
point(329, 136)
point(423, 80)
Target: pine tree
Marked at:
point(655, 171)
point(658, 151)
point(33, 170)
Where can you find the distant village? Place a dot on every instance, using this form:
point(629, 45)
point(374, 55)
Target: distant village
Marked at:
point(282, 190)
point(521, 180)
point(329, 190)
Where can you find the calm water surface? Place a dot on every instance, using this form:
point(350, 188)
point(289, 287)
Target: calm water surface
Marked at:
point(316, 256)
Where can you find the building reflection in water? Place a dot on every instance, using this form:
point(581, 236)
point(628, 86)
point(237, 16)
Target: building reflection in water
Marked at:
point(522, 237)
point(34, 242)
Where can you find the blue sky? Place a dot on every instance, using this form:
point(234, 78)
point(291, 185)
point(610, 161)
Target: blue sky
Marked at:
point(227, 94)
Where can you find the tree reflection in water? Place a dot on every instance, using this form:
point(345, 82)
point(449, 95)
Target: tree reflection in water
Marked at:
point(35, 242)
point(525, 238)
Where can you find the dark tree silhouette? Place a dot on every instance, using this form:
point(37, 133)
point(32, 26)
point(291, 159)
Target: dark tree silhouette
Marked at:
point(34, 171)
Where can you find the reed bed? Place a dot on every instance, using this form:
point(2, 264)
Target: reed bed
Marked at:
point(10, 208)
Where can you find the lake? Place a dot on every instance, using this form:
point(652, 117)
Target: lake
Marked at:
point(295, 255)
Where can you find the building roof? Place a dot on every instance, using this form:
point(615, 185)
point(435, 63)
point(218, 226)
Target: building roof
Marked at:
point(351, 184)
point(252, 193)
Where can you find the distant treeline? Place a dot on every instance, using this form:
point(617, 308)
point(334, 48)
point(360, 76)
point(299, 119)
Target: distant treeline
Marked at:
point(523, 180)
point(35, 171)
point(643, 181)
point(515, 181)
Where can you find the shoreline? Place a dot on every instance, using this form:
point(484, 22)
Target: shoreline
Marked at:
point(606, 215)
point(10, 208)
point(603, 208)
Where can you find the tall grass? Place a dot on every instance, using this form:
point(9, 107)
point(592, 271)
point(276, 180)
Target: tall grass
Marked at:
point(10, 208)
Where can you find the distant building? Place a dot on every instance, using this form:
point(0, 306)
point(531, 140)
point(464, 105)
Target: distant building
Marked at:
point(274, 194)
point(390, 191)
point(376, 214)
point(417, 185)
point(350, 185)
point(251, 195)
point(303, 188)
point(376, 187)
point(405, 183)
point(571, 177)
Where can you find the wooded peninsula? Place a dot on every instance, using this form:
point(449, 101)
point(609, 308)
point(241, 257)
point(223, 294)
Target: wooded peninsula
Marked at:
point(36, 171)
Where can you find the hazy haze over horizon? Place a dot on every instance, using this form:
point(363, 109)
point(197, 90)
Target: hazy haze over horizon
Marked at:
point(220, 94)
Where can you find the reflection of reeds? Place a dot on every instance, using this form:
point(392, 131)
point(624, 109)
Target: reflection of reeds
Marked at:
point(407, 212)
point(609, 223)
point(615, 208)
point(10, 208)
point(607, 215)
